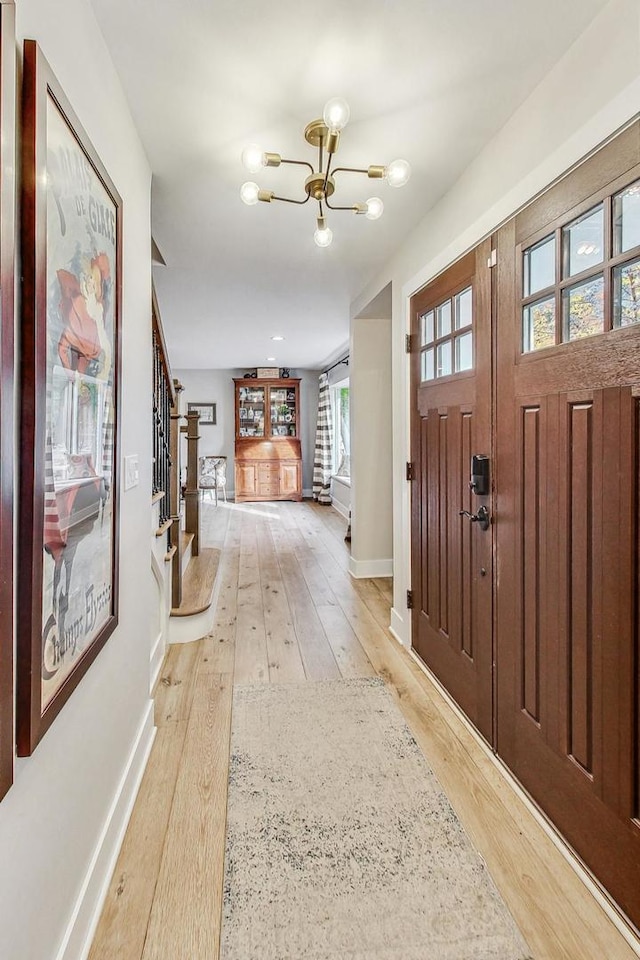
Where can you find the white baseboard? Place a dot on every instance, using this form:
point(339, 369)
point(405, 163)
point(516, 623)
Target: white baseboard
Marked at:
point(307, 494)
point(155, 662)
point(340, 508)
point(81, 928)
point(603, 900)
point(399, 628)
point(366, 569)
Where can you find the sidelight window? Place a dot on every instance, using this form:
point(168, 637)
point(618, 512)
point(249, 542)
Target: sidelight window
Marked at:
point(584, 278)
point(446, 337)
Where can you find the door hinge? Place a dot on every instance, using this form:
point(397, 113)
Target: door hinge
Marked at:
point(407, 343)
point(410, 474)
point(409, 599)
point(493, 259)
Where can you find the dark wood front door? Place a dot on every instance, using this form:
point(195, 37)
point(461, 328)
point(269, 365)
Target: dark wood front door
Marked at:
point(567, 434)
point(452, 555)
point(559, 411)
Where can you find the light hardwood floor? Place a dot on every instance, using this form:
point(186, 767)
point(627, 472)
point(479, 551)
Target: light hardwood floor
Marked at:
point(288, 610)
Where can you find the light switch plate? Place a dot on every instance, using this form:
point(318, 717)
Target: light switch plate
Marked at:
point(131, 473)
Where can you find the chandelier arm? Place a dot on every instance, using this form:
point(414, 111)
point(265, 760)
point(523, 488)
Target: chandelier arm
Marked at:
point(349, 170)
point(288, 199)
point(300, 163)
point(352, 207)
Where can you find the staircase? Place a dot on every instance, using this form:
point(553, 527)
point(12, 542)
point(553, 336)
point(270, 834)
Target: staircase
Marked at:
point(184, 572)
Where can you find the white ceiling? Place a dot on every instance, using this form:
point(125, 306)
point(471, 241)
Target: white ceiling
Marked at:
point(427, 80)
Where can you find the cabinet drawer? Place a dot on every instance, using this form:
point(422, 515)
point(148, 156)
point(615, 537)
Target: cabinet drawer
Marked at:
point(269, 488)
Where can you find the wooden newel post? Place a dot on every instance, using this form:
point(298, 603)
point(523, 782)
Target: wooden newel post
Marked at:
point(174, 508)
point(192, 494)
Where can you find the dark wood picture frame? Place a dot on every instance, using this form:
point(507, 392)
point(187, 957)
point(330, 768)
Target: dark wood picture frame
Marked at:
point(70, 361)
point(197, 407)
point(7, 431)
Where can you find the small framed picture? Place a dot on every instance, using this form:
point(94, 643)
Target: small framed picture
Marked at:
point(268, 373)
point(207, 413)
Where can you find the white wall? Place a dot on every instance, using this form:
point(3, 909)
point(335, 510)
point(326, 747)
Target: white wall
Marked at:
point(371, 449)
point(592, 91)
point(216, 386)
point(211, 386)
point(53, 818)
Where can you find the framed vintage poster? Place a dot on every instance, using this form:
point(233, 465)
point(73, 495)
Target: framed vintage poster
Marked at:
point(72, 269)
point(7, 418)
point(207, 413)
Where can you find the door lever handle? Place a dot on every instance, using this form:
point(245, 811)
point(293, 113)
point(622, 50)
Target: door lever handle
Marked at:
point(482, 517)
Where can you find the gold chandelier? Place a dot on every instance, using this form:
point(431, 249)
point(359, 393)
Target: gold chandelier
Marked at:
point(320, 185)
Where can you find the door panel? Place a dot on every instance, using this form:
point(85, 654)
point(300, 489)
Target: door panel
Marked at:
point(246, 480)
point(567, 446)
point(289, 479)
point(452, 556)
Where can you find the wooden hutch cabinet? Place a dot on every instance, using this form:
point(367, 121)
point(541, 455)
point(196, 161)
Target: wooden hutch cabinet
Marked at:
point(268, 458)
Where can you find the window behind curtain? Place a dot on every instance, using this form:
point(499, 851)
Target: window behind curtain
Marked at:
point(342, 440)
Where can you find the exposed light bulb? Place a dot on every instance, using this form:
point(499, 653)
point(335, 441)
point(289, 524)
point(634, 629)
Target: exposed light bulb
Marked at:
point(277, 338)
point(249, 193)
point(253, 157)
point(397, 173)
point(271, 359)
point(336, 114)
point(375, 207)
point(323, 236)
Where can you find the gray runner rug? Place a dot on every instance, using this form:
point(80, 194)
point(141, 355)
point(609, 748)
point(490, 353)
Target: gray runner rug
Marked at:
point(341, 844)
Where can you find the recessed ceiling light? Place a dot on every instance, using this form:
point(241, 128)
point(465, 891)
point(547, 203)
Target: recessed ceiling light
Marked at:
point(277, 338)
point(271, 359)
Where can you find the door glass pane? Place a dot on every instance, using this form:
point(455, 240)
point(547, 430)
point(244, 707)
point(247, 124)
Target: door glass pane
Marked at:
point(539, 325)
point(428, 365)
point(251, 411)
point(464, 302)
point(283, 411)
point(626, 219)
point(444, 359)
point(583, 242)
point(444, 319)
point(251, 395)
point(583, 311)
point(426, 328)
point(539, 266)
point(626, 287)
point(464, 352)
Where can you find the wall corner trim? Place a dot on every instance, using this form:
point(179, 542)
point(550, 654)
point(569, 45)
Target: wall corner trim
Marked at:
point(83, 922)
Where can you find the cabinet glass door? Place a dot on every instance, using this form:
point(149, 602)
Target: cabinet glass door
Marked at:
point(282, 402)
point(251, 410)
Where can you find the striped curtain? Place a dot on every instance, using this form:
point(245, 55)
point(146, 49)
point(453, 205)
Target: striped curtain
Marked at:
point(322, 464)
